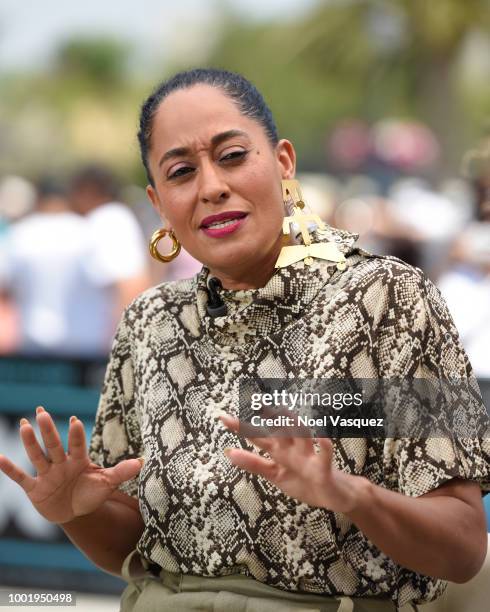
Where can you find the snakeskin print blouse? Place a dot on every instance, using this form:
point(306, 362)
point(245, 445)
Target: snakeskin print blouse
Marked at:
point(173, 369)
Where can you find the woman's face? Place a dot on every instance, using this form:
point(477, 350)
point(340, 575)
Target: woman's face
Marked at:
point(217, 182)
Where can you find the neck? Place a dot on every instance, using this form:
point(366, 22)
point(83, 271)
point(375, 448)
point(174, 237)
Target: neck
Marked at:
point(53, 207)
point(249, 280)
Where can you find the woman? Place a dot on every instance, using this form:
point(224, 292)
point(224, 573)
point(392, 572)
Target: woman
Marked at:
point(221, 522)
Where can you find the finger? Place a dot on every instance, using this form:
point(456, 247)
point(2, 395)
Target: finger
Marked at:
point(235, 425)
point(291, 448)
point(266, 444)
point(252, 463)
point(274, 444)
point(51, 437)
point(77, 446)
point(273, 423)
point(277, 423)
point(298, 430)
point(16, 474)
point(127, 500)
point(125, 470)
point(291, 434)
point(242, 427)
point(302, 444)
point(284, 446)
point(33, 448)
point(326, 450)
point(230, 422)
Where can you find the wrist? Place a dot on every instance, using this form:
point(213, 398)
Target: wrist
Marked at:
point(75, 520)
point(78, 519)
point(362, 496)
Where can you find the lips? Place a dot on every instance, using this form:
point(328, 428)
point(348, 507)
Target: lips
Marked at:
point(222, 217)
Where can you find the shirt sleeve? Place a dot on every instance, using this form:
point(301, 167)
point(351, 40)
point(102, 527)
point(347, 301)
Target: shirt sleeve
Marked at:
point(117, 434)
point(118, 250)
point(416, 465)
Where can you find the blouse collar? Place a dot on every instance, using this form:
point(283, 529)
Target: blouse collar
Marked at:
point(261, 312)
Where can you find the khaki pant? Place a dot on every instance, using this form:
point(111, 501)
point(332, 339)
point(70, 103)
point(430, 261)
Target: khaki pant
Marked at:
point(236, 593)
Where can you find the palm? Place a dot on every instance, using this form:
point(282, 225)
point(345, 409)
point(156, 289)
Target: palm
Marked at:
point(67, 485)
point(304, 479)
point(299, 469)
point(68, 490)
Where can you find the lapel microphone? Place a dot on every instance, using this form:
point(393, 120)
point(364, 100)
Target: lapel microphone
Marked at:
point(215, 306)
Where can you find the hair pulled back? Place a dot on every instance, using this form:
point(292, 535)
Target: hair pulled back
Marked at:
point(241, 91)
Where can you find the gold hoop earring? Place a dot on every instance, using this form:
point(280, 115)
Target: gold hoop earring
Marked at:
point(155, 239)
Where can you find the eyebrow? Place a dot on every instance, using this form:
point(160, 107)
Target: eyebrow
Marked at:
point(215, 140)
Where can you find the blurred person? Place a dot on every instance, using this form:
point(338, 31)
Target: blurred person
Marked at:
point(215, 520)
point(466, 282)
point(57, 271)
point(428, 214)
point(17, 199)
point(380, 231)
point(9, 324)
point(116, 263)
point(40, 269)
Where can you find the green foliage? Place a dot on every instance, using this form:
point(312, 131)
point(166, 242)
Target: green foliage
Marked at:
point(362, 58)
point(102, 62)
point(344, 58)
point(84, 108)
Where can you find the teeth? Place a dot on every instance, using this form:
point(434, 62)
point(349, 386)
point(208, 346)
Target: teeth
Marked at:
point(222, 223)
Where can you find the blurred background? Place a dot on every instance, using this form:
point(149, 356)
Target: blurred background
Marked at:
point(387, 103)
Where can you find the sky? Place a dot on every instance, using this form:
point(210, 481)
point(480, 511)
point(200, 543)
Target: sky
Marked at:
point(30, 30)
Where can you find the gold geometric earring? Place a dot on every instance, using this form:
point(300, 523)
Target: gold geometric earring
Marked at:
point(329, 251)
point(155, 239)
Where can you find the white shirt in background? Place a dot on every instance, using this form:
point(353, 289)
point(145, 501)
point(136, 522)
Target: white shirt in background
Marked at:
point(61, 270)
point(467, 294)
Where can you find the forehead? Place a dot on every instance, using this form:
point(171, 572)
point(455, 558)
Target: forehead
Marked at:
point(195, 115)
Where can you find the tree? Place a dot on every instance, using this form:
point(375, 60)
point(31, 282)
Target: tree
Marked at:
point(101, 62)
point(363, 58)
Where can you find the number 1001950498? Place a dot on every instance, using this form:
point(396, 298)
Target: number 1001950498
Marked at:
point(37, 598)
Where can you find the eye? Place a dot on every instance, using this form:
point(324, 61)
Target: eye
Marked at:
point(182, 171)
point(233, 155)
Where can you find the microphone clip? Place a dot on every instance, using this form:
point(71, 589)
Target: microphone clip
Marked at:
point(215, 306)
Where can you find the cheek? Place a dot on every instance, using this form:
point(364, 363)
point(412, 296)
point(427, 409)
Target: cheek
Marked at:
point(266, 189)
point(173, 208)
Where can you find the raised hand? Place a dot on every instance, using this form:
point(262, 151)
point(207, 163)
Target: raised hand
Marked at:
point(67, 485)
point(298, 469)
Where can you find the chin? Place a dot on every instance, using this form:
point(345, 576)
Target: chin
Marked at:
point(228, 262)
point(231, 257)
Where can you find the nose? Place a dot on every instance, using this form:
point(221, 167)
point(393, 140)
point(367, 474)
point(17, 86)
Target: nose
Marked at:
point(212, 188)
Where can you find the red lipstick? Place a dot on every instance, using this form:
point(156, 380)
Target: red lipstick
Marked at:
point(223, 223)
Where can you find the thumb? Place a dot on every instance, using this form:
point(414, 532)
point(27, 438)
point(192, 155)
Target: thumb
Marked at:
point(125, 470)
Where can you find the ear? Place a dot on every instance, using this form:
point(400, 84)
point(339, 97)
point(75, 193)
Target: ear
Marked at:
point(154, 199)
point(286, 158)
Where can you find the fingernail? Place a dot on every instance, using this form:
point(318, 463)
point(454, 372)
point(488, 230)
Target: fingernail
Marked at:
point(227, 450)
point(39, 409)
point(141, 460)
point(23, 421)
point(73, 419)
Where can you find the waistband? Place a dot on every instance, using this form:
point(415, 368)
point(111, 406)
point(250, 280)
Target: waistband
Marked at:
point(135, 567)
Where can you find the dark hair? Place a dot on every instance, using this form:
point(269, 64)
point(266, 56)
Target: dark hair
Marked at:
point(245, 95)
point(99, 177)
point(48, 186)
